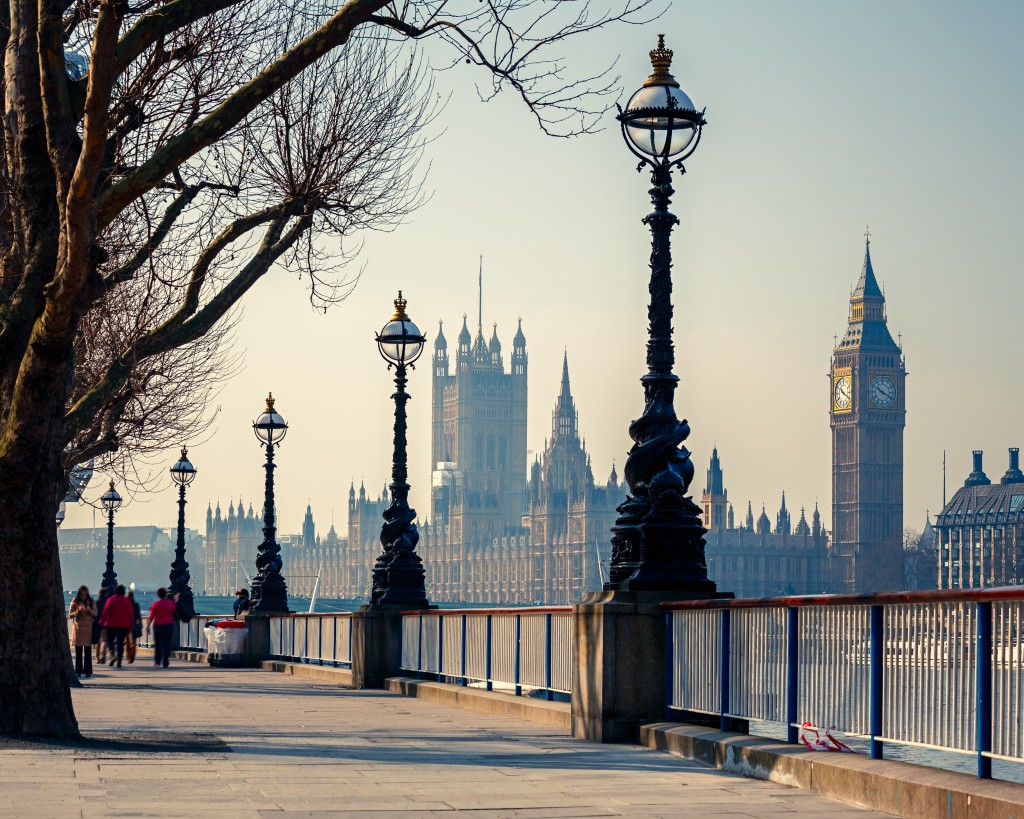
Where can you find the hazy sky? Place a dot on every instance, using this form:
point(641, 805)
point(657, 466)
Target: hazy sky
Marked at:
point(823, 117)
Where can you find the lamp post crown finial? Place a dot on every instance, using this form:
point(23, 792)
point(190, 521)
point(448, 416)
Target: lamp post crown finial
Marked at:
point(400, 308)
point(270, 402)
point(184, 453)
point(111, 486)
point(661, 61)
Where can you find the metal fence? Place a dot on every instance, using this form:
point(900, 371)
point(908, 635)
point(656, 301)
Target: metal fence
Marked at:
point(320, 639)
point(941, 670)
point(508, 649)
point(192, 635)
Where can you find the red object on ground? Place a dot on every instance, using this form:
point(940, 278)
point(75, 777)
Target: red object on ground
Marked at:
point(829, 743)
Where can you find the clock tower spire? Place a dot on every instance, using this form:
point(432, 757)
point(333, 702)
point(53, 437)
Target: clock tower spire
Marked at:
point(867, 415)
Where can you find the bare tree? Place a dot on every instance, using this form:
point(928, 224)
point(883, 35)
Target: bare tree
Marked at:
point(158, 159)
point(347, 155)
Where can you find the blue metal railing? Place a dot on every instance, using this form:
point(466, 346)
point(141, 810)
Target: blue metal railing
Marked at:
point(516, 650)
point(314, 639)
point(939, 670)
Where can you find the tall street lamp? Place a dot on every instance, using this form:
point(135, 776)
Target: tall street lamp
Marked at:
point(111, 502)
point(269, 591)
point(658, 538)
point(398, 575)
point(182, 473)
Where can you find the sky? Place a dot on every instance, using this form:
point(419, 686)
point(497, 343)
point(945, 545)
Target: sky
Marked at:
point(823, 118)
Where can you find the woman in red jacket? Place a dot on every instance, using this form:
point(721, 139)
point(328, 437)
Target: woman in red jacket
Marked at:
point(117, 618)
point(161, 618)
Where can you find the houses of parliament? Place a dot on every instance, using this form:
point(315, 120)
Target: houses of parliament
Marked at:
point(505, 530)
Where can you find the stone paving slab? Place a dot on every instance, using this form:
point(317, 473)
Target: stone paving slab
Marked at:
point(252, 743)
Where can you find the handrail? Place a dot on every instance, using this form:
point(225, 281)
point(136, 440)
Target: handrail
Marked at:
point(311, 614)
point(883, 598)
point(512, 610)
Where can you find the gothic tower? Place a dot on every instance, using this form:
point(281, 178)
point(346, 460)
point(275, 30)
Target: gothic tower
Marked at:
point(716, 498)
point(478, 439)
point(308, 529)
point(868, 413)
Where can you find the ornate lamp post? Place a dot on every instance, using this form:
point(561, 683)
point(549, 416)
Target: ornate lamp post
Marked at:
point(182, 473)
point(111, 502)
point(398, 575)
point(658, 538)
point(269, 591)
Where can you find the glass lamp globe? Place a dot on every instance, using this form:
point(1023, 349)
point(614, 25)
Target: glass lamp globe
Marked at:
point(110, 499)
point(183, 473)
point(400, 341)
point(270, 427)
point(660, 120)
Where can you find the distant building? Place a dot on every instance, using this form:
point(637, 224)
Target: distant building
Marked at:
point(496, 534)
point(752, 559)
point(868, 414)
point(493, 536)
point(309, 557)
point(920, 558)
point(231, 544)
point(980, 532)
point(478, 457)
point(142, 555)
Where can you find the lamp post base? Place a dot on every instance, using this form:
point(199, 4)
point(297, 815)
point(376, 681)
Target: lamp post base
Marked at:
point(400, 581)
point(270, 597)
point(659, 550)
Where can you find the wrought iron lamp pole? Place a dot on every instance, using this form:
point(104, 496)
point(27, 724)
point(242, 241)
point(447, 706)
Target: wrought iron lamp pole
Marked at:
point(182, 473)
point(111, 501)
point(398, 575)
point(658, 538)
point(269, 590)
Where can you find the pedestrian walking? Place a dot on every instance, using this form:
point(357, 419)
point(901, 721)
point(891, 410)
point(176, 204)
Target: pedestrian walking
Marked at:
point(161, 621)
point(242, 602)
point(99, 634)
point(131, 640)
point(82, 614)
point(117, 618)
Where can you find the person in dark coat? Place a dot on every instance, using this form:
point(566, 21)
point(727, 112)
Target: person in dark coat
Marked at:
point(136, 632)
point(242, 602)
point(118, 618)
point(99, 637)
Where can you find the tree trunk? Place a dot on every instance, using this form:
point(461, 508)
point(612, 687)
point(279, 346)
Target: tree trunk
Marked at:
point(35, 657)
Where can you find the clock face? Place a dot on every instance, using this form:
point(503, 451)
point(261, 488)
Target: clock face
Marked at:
point(883, 392)
point(843, 393)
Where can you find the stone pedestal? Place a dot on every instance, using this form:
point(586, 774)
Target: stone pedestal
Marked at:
point(257, 644)
point(376, 644)
point(619, 653)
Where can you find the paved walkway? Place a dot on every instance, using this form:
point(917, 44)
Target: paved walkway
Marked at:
point(195, 741)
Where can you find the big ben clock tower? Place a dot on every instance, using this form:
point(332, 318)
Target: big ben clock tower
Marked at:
point(868, 413)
